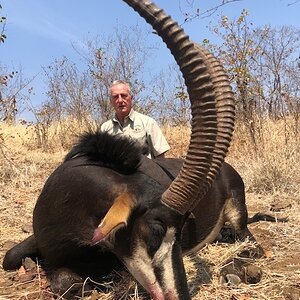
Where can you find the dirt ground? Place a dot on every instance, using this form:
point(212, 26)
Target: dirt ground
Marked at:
point(280, 268)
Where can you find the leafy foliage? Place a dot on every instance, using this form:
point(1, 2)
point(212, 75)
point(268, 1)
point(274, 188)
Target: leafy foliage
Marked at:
point(263, 67)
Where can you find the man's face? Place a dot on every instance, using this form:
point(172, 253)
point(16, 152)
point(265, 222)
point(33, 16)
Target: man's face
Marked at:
point(121, 100)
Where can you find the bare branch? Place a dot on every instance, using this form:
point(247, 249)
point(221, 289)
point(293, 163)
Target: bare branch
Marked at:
point(3, 23)
point(294, 2)
point(204, 14)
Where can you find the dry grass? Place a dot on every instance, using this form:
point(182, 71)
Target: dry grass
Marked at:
point(274, 166)
point(272, 182)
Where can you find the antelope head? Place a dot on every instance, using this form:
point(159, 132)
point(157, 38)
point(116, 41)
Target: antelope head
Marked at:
point(151, 248)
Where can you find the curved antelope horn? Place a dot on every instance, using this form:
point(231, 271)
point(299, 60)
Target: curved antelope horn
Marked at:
point(212, 105)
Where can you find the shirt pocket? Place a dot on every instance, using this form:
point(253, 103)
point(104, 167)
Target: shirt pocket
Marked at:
point(139, 133)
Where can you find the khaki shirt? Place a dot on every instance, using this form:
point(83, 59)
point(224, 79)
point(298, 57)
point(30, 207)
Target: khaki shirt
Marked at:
point(142, 128)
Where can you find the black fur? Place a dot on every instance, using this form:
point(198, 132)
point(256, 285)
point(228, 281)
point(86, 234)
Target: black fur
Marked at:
point(117, 152)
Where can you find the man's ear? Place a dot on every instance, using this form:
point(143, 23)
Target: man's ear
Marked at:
point(116, 217)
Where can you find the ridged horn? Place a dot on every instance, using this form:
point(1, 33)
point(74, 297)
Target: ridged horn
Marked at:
point(212, 106)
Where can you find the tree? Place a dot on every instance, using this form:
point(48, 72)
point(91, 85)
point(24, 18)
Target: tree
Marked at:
point(81, 90)
point(277, 71)
point(259, 62)
point(12, 85)
point(2, 30)
point(12, 93)
point(190, 12)
point(170, 97)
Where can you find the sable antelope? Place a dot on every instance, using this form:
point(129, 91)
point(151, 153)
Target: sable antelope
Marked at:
point(107, 178)
point(102, 205)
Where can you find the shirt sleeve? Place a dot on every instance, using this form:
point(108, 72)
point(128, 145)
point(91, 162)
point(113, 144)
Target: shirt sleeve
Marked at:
point(156, 140)
point(106, 126)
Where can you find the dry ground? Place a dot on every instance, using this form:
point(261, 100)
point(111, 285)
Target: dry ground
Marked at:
point(24, 170)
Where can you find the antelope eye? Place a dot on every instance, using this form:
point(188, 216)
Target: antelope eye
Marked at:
point(157, 228)
point(156, 235)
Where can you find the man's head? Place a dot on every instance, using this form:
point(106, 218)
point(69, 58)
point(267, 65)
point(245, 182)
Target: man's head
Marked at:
point(121, 98)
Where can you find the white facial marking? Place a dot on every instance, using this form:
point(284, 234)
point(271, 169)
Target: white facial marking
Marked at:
point(165, 247)
point(163, 259)
point(141, 266)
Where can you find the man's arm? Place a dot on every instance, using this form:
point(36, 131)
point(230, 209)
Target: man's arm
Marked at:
point(156, 140)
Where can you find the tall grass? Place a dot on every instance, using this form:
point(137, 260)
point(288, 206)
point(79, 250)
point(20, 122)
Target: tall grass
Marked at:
point(269, 166)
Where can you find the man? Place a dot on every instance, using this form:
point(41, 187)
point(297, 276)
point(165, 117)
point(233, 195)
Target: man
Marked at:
point(131, 123)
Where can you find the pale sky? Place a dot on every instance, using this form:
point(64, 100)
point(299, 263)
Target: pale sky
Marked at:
point(38, 31)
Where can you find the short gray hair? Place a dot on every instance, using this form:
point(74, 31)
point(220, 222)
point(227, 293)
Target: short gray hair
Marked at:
point(119, 81)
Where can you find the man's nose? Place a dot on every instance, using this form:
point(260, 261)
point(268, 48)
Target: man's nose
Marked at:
point(120, 99)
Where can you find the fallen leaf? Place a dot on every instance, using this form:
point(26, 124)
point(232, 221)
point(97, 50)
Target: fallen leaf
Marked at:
point(268, 253)
point(21, 271)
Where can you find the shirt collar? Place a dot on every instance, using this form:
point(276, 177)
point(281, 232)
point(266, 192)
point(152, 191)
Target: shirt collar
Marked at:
point(130, 116)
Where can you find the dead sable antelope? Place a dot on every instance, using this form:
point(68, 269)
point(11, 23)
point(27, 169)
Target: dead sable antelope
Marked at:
point(107, 203)
point(106, 180)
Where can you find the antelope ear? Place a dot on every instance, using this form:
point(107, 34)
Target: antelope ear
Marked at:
point(115, 218)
